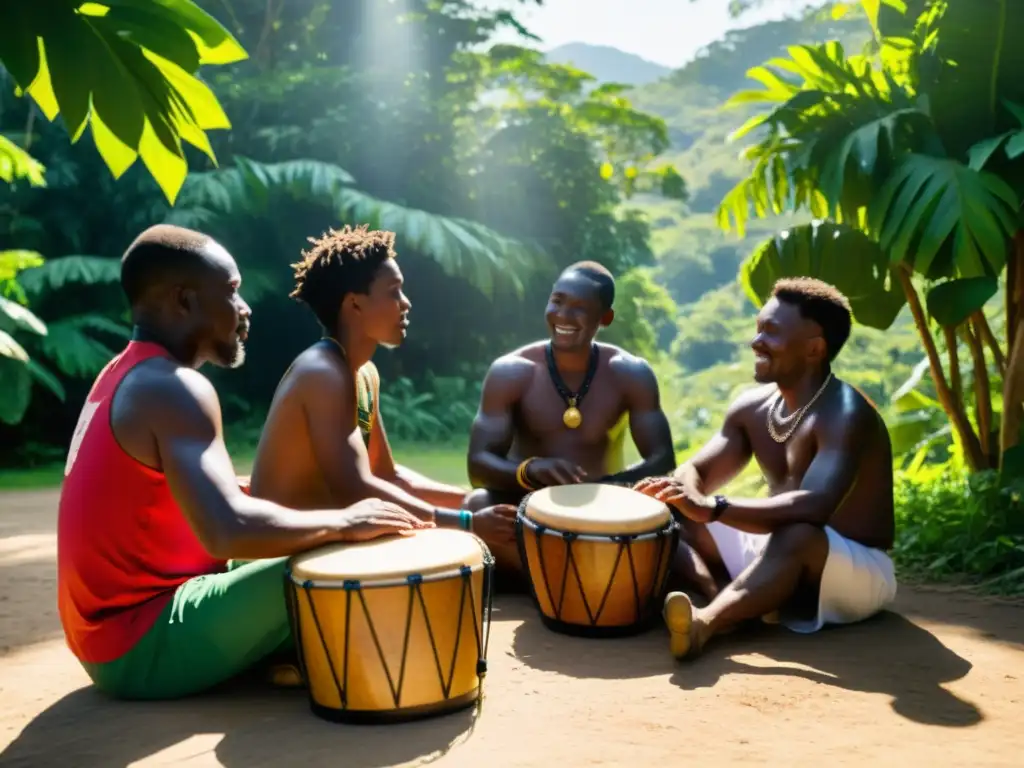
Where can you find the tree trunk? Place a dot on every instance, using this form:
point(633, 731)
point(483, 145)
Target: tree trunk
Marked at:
point(990, 341)
point(1013, 379)
point(954, 409)
point(955, 380)
point(982, 392)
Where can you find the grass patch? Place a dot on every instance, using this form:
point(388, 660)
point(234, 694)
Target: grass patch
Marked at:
point(445, 463)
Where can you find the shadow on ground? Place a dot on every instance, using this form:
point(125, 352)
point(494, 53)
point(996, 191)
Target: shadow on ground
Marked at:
point(261, 728)
point(888, 654)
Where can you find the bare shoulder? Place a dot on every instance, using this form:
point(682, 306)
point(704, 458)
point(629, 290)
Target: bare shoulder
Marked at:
point(169, 396)
point(750, 401)
point(848, 406)
point(628, 368)
point(318, 370)
point(512, 369)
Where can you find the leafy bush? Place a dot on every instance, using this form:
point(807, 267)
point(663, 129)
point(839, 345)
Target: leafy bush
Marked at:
point(950, 524)
point(439, 411)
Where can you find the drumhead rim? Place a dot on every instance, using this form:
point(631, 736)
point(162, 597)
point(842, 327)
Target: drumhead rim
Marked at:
point(395, 581)
point(667, 524)
point(653, 533)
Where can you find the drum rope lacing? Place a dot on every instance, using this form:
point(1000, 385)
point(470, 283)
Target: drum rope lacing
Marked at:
point(414, 581)
point(625, 544)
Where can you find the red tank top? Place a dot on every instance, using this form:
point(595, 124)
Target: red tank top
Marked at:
point(123, 544)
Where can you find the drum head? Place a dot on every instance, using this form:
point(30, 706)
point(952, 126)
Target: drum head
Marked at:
point(426, 552)
point(597, 509)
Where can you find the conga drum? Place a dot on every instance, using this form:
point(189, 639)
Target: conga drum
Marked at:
point(598, 557)
point(394, 628)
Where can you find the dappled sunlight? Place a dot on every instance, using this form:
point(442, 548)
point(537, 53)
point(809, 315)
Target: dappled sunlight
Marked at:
point(30, 548)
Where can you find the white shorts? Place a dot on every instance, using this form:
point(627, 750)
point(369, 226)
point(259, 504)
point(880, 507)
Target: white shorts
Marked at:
point(857, 582)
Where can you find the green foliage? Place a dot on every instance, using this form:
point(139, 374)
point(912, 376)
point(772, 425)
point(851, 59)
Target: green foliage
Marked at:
point(644, 314)
point(125, 68)
point(837, 254)
point(440, 411)
point(951, 525)
point(249, 190)
point(16, 163)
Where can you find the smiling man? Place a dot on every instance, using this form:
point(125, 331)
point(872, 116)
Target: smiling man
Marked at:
point(556, 412)
point(814, 551)
point(324, 438)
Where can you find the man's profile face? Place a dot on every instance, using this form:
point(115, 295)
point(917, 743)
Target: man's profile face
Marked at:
point(574, 312)
point(384, 311)
point(222, 315)
point(782, 344)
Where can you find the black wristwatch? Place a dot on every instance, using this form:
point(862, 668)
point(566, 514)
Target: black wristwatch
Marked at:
point(721, 504)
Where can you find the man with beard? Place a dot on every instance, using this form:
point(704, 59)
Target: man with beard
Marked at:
point(150, 511)
point(813, 553)
point(556, 412)
point(324, 441)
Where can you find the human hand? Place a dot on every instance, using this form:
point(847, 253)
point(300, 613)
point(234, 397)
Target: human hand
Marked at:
point(496, 523)
point(678, 494)
point(543, 473)
point(373, 518)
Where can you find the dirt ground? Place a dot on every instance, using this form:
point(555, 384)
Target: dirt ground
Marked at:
point(939, 679)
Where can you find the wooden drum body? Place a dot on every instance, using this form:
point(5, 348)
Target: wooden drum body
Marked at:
point(598, 557)
point(394, 628)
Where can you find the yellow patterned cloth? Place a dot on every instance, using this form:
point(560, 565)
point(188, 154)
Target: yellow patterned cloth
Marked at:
point(367, 395)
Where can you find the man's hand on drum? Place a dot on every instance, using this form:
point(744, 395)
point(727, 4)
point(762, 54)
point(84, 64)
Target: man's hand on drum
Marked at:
point(496, 523)
point(373, 518)
point(543, 473)
point(678, 494)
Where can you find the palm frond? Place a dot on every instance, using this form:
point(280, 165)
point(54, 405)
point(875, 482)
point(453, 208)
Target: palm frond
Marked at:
point(461, 247)
point(16, 385)
point(70, 270)
point(73, 347)
point(16, 163)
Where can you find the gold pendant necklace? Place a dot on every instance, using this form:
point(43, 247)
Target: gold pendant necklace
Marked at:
point(572, 417)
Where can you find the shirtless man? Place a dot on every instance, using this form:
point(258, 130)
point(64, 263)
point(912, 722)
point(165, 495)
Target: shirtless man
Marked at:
point(324, 441)
point(555, 412)
point(150, 510)
point(814, 552)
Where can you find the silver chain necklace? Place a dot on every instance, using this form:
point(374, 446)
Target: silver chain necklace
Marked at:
point(772, 415)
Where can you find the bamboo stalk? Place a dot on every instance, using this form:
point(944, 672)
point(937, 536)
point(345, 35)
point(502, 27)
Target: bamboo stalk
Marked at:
point(953, 409)
point(955, 379)
point(982, 390)
point(1013, 379)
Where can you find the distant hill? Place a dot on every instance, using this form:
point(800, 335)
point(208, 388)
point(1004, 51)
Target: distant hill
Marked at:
point(607, 64)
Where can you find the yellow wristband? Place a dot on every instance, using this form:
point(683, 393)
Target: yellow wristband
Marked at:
point(521, 475)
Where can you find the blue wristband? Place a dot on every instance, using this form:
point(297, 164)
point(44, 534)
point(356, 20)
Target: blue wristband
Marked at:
point(465, 520)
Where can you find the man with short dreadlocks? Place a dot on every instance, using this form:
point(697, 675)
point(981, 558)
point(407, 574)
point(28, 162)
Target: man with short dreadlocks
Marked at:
point(324, 438)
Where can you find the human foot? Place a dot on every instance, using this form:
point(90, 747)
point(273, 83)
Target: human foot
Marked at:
point(683, 636)
point(285, 675)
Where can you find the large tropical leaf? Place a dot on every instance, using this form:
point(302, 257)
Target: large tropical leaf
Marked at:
point(837, 254)
point(975, 63)
point(126, 68)
point(70, 270)
point(461, 247)
point(953, 301)
point(16, 317)
point(832, 139)
point(13, 262)
point(15, 388)
point(944, 218)
point(16, 163)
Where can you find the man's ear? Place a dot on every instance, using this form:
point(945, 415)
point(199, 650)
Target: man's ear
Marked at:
point(607, 317)
point(818, 349)
point(186, 299)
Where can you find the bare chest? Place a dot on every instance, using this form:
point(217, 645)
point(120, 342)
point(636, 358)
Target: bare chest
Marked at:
point(542, 410)
point(784, 461)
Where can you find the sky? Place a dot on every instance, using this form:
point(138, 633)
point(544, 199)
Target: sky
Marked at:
point(668, 32)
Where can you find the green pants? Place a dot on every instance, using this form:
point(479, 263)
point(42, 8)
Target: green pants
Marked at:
point(214, 628)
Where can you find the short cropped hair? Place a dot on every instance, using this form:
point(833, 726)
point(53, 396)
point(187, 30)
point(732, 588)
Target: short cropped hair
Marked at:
point(160, 253)
point(340, 262)
point(599, 274)
point(822, 303)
